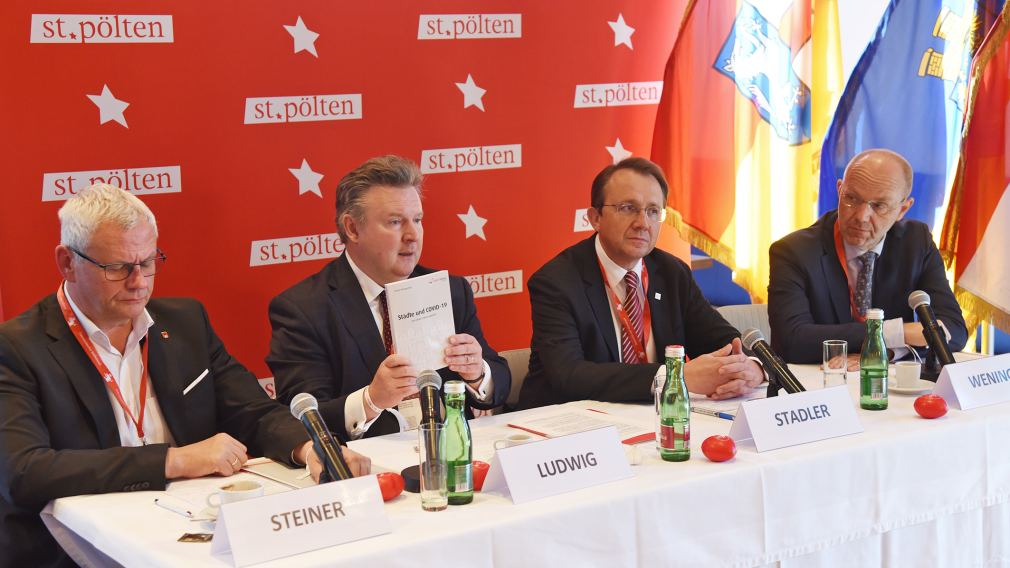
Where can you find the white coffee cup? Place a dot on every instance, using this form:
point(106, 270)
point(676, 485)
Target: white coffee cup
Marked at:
point(906, 374)
point(512, 440)
point(235, 491)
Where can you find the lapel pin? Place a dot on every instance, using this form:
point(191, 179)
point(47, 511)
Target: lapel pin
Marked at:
point(164, 335)
point(659, 296)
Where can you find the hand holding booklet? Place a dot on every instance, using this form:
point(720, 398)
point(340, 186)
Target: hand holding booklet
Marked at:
point(420, 317)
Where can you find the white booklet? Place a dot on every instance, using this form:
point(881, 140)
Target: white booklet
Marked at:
point(420, 317)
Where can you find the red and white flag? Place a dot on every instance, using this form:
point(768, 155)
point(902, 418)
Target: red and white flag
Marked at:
point(976, 231)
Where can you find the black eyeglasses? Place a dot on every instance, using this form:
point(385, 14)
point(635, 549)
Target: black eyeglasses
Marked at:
point(116, 271)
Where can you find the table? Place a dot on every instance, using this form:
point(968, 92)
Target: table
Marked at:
point(906, 492)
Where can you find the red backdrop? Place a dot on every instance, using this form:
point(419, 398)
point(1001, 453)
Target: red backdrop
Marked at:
point(187, 94)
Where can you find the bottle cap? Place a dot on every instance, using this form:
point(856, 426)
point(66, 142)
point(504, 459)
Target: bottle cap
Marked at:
point(874, 314)
point(454, 387)
point(674, 350)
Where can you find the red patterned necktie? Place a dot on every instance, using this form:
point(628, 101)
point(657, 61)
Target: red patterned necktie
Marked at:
point(632, 307)
point(387, 336)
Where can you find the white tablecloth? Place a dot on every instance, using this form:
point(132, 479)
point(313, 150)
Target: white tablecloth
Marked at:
point(907, 492)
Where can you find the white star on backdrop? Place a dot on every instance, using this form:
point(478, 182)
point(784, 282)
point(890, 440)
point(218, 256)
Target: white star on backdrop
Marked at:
point(109, 107)
point(617, 151)
point(305, 39)
point(622, 32)
point(472, 94)
point(474, 223)
point(308, 180)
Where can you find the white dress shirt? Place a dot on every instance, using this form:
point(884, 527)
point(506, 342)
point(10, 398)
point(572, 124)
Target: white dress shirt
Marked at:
point(127, 369)
point(615, 276)
point(354, 405)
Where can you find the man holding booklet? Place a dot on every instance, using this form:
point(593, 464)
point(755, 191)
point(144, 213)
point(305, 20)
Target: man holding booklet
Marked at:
point(331, 332)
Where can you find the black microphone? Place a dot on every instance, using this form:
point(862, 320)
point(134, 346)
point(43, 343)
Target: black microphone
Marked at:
point(777, 370)
point(305, 408)
point(428, 385)
point(935, 338)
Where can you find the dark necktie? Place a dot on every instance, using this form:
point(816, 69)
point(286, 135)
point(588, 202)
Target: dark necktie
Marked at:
point(864, 282)
point(387, 336)
point(632, 307)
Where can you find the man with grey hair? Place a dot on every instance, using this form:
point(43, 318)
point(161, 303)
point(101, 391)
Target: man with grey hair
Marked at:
point(862, 255)
point(331, 334)
point(104, 389)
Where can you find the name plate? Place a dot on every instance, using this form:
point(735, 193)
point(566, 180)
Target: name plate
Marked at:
point(276, 526)
point(799, 418)
point(979, 382)
point(557, 465)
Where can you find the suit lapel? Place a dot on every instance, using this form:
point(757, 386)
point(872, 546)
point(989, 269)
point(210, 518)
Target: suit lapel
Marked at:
point(354, 314)
point(82, 375)
point(167, 382)
point(884, 279)
point(596, 294)
point(658, 310)
point(834, 277)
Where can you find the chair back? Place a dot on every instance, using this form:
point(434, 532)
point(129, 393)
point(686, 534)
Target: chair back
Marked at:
point(745, 316)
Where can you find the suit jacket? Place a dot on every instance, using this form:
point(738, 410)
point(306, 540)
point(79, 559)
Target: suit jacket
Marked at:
point(575, 351)
point(325, 343)
point(58, 434)
point(808, 295)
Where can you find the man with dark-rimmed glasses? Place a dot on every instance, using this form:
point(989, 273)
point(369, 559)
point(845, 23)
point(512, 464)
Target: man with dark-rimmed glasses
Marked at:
point(862, 255)
point(104, 389)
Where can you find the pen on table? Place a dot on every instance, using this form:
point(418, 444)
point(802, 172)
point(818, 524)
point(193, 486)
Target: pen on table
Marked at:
point(173, 507)
point(710, 412)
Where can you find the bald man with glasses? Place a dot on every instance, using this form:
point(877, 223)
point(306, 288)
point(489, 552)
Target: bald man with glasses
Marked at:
point(862, 255)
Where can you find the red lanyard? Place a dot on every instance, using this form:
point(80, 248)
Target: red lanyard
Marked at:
point(96, 360)
point(637, 343)
point(840, 250)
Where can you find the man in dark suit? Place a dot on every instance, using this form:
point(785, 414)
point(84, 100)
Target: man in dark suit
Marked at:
point(331, 332)
point(592, 305)
point(173, 403)
point(814, 296)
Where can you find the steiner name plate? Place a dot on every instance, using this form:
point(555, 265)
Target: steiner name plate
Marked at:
point(558, 465)
point(975, 383)
point(276, 526)
point(799, 418)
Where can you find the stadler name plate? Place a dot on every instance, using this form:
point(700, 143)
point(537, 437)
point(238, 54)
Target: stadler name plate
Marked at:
point(557, 465)
point(974, 383)
point(799, 418)
point(276, 526)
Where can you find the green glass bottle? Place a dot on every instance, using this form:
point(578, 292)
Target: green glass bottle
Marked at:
point(873, 364)
point(458, 445)
point(675, 410)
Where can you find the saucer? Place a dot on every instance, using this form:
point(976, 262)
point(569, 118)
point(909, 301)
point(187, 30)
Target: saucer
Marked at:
point(920, 387)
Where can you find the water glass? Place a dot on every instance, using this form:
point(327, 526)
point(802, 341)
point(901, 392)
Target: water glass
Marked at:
point(836, 362)
point(434, 488)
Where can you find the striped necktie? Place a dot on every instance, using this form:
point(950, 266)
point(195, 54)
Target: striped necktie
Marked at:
point(632, 307)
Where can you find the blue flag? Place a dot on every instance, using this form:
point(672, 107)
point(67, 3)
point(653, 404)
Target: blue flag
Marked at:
point(907, 94)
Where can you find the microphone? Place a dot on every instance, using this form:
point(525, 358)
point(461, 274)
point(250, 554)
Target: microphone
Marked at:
point(935, 339)
point(777, 370)
point(305, 408)
point(428, 385)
